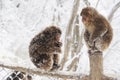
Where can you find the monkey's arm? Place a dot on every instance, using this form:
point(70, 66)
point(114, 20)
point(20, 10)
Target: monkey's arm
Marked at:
point(86, 36)
point(58, 46)
point(98, 34)
point(100, 29)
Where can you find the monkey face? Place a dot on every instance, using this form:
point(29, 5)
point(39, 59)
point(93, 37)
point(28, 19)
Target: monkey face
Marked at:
point(85, 19)
point(88, 15)
point(58, 37)
point(58, 42)
point(56, 33)
point(52, 33)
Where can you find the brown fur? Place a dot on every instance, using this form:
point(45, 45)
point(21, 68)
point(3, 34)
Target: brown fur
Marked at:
point(98, 31)
point(44, 47)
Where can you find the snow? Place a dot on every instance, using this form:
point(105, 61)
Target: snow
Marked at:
point(20, 20)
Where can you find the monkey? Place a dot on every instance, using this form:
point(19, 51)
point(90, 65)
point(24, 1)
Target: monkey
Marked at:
point(45, 47)
point(98, 31)
point(44, 50)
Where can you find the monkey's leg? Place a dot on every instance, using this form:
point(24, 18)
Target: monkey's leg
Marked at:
point(92, 48)
point(87, 40)
point(47, 63)
point(43, 61)
point(56, 58)
point(97, 46)
point(56, 61)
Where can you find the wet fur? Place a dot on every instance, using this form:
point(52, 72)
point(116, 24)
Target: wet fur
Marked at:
point(44, 47)
point(98, 31)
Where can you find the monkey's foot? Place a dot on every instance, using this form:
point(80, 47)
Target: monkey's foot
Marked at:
point(92, 52)
point(55, 67)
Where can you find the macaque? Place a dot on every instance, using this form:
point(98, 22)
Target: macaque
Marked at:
point(98, 31)
point(45, 48)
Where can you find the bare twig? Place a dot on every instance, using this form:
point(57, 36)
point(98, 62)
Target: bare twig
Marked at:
point(76, 36)
point(97, 3)
point(114, 9)
point(68, 32)
point(43, 73)
point(73, 64)
point(87, 3)
point(77, 45)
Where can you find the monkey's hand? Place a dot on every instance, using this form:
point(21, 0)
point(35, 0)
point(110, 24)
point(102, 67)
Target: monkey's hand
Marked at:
point(58, 50)
point(92, 52)
point(91, 42)
point(95, 45)
point(97, 35)
point(58, 44)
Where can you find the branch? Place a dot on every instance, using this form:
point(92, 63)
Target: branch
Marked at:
point(76, 36)
point(97, 3)
point(114, 9)
point(73, 63)
point(68, 32)
point(87, 3)
point(43, 73)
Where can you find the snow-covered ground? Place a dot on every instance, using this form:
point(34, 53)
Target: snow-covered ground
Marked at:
point(20, 20)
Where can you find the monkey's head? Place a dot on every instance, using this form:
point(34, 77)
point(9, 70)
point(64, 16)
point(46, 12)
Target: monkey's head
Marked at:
point(52, 33)
point(52, 36)
point(88, 15)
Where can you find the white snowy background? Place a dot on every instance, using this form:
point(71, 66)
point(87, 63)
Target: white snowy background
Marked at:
point(21, 20)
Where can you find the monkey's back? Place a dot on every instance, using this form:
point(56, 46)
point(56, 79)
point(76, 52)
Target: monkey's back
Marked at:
point(107, 35)
point(107, 38)
point(40, 49)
